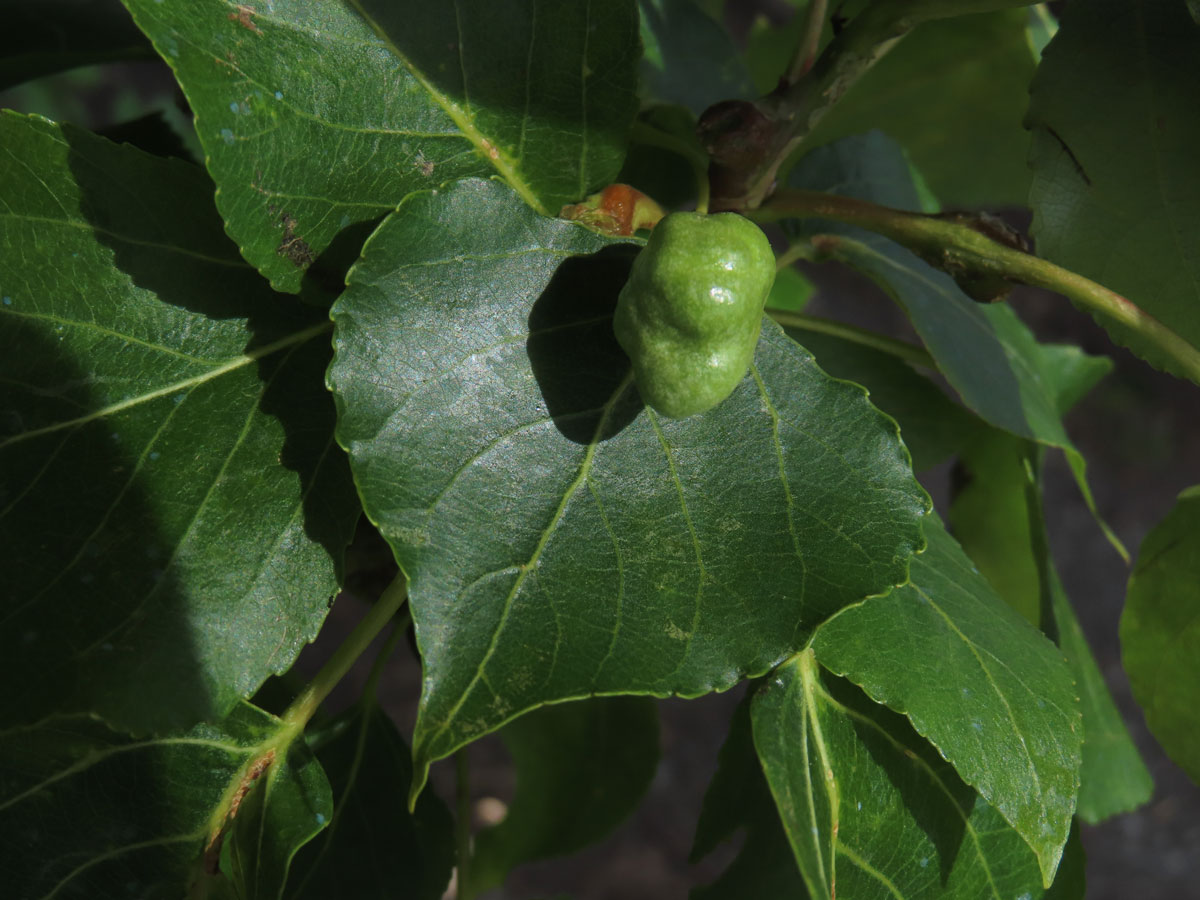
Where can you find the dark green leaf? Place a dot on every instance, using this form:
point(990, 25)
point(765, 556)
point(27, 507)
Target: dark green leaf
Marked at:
point(173, 505)
point(665, 159)
point(1116, 190)
point(738, 798)
point(986, 353)
point(997, 518)
point(560, 539)
point(316, 114)
point(1006, 539)
point(50, 36)
point(932, 426)
point(373, 846)
point(953, 94)
point(990, 518)
point(770, 47)
point(87, 812)
point(1112, 776)
point(990, 514)
point(1071, 372)
point(984, 686)
point(1071, 881)
point(690, 60)
point(1160, 631)
point(292, 805)
point(870, 808)
point(581, 770)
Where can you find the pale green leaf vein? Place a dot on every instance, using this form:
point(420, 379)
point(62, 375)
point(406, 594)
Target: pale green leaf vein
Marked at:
point(185, 384)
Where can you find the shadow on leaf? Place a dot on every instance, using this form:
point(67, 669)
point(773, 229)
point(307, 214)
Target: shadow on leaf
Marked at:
point(939, 812)
point(578, 364)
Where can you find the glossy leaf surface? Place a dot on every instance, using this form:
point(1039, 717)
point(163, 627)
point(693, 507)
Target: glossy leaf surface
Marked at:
point(1116, 191)
point(316, 115)
point(870, 809)
point(932, 426)
point(173, 505)
point(1160, 631)
point(998, 519)
point(945, 650)
point(560, 539)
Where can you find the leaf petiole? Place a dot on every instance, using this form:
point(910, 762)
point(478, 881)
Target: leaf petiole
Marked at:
point(910, 353)
point(304, 706)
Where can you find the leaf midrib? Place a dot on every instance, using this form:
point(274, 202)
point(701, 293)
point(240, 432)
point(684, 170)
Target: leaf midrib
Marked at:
point(486, 148)
point(185, 384)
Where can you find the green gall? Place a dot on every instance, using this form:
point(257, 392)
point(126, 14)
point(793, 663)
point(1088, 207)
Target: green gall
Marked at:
point(690, 314)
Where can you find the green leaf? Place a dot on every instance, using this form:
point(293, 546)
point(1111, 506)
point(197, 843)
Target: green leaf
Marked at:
point(997, 517)
point(54, 35)
point(88, 812)
point(990, 517)
point(986, 353)
point(953, 94)
point(791, 291)
point(1040, 28)
point(1160, 631)
point(1116, 193)
point(738, 798)
point(665, 159)
point(373, 845)
point(932, 426)
point(560, 540)
point(1113, 778)
point(870, 808)
point(985, 687)
point(316, 115)
point(993, 520)
point(581, 770)
point(689, 59)
point(273, 822)
point(173, 506)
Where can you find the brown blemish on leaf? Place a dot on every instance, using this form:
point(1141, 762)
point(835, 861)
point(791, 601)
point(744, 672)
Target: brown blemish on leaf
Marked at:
point(243, 16)
point(212, 852)
point(490, 149)
point(293, 247)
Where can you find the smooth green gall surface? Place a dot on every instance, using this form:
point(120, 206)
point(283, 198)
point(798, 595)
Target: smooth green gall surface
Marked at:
point(690, 314)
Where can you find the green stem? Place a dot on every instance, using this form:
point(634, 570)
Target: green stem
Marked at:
point(377, 617)
point(806, 50)
point(910, 353)
point(261, 759)
point(962, 249)
point(798, 250)
point(385, 653)
point(462, 825)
